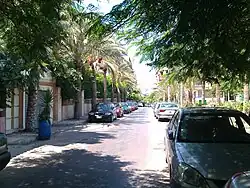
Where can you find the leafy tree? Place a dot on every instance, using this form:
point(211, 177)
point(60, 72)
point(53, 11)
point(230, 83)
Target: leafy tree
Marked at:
point(31, 29)
point(209, 36)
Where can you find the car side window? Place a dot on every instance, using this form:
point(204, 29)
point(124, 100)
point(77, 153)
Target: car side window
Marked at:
point(175, 123)
point(171, 122)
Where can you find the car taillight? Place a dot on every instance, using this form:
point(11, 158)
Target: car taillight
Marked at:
point(162, 110)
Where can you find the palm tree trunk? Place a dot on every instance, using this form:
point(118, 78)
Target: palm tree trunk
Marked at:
point(118, 94)
point(217, 93)
point(181, 94)
point(31, 108)
point(113, 89)
point(94, 89)
point(203, 94)
point(78, 102)
point(104, 86)
point(169, 93)
point(125, 95)
point(246, 94)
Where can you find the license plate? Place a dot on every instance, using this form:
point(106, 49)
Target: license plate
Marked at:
point(98, 117)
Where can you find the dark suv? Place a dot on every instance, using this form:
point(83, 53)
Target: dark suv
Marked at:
point(4, 153)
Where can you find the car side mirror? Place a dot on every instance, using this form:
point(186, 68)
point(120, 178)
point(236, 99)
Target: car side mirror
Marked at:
point(170, 134)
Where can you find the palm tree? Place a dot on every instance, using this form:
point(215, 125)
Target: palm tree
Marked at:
point(113, 59)
point(76, 47)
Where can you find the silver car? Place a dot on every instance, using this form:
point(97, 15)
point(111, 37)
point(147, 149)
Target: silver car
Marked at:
point(206, 146)
point(155, 107)
point(166, 110)
point(239, 180)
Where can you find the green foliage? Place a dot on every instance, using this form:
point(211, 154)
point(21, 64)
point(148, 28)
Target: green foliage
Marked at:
point(151, 98)
point(210, 38)
point(46, 105)
point(135, 95)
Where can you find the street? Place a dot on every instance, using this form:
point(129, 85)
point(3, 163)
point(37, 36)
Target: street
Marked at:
point(130, 153)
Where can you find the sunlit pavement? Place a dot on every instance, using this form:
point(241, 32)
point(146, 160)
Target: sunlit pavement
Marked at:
point(129, 153)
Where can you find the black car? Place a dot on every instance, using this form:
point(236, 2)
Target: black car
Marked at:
point(103, 112)
point(4, 153)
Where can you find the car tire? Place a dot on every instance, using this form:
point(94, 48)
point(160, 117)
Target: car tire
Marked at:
point(111, 119)
point(171, 180)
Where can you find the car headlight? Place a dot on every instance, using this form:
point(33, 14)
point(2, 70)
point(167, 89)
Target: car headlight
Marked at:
point(91, 113)
point(189, 175)
point(107, 113)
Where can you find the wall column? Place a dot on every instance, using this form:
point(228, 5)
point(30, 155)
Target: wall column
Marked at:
point(57, 104)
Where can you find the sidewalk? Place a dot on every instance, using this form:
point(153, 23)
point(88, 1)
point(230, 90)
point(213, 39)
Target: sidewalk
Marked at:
point(23, 138)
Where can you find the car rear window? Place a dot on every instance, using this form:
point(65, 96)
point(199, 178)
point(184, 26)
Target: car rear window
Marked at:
point(168, 105)
point(226, 128)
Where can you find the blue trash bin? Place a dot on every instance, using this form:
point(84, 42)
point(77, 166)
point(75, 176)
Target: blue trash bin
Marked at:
point(44, 130)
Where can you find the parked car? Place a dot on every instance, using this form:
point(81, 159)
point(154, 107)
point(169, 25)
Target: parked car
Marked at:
point(140, 104)
point(125, 107)
point(119, 110)
point(132, 106)
point(103, 112)
point(166, 110)
point(4, 153)
point(239, 180)
point(206, 146)
point(155, 107)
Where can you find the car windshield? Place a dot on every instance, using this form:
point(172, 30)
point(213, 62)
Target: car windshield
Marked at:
point(168, 105)
point(102, 107)
point(222, 128)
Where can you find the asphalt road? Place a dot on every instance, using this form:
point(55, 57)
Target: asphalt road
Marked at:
point(127, 154)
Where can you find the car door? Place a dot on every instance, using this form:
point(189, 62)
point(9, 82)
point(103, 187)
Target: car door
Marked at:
point(171, 141)
point(3, 143)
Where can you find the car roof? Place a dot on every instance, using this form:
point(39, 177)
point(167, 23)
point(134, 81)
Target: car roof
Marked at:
point(208, 110)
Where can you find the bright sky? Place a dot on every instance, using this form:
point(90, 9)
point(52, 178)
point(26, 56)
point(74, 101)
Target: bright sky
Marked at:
point(146, 78)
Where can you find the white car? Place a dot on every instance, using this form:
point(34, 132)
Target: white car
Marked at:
point(155, 107)
point(140, 104)
point(166, 110)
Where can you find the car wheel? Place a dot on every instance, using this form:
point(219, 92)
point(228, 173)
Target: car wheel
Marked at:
point(90, 121)
point(111, 119)
point(171, 181)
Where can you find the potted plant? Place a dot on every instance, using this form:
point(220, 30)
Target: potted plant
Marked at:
point(44, 117)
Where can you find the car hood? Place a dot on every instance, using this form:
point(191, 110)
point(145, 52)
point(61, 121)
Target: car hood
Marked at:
point(215, 161)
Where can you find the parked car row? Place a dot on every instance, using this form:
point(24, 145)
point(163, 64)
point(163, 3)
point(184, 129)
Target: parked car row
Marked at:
point(208, 148)
point(108, 112)
point(164, 110)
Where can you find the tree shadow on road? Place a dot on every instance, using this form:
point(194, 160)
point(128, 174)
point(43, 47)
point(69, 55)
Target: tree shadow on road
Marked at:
point(71, 166)
point(65, 138)
point(64, 167)
point(80, 137)
point(150, 179)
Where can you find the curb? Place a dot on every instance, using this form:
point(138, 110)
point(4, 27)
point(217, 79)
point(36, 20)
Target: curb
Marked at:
point(23, 141)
